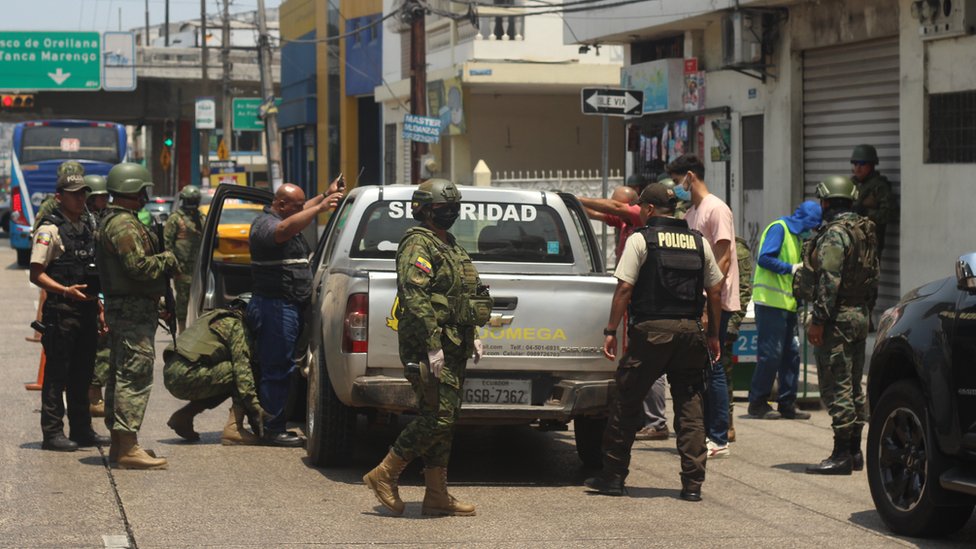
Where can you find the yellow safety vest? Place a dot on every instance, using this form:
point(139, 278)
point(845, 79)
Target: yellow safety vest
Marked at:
point(773, 289)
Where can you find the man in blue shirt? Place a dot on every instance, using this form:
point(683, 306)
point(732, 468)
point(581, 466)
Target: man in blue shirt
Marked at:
point(780, 256)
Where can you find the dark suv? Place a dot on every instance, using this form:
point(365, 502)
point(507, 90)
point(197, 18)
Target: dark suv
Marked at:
point(921, 458)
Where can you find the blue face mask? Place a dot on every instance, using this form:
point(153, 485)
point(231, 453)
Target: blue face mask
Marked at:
point(682, 193)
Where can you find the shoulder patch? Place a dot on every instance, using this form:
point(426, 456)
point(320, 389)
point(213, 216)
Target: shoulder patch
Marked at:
point(44, 239)
point(422, 264)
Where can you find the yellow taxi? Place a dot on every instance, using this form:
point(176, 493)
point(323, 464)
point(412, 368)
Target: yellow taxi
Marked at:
point(233, 231)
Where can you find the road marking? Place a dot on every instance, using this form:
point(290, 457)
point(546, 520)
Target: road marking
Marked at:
point(115, 541)
point(128, 539)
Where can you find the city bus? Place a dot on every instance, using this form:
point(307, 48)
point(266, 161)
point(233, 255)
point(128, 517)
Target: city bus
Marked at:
point(39, 147)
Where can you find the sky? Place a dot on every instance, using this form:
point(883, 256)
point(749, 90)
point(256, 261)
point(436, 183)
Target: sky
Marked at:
point(103, 15)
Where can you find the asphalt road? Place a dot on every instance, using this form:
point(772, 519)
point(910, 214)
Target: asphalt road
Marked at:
point(526, 484)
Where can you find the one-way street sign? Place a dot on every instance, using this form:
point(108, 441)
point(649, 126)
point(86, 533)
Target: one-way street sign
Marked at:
point(613, 102)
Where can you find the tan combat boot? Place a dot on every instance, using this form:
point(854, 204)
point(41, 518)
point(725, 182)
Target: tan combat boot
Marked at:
point(182, 420)
point(96, 406)
point(131, 456)
point(436, 499)
point(383, 482)
point(234, 432)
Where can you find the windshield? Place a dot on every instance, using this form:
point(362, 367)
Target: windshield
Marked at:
point(100, 144)
point(514, 233)
point(239, 216)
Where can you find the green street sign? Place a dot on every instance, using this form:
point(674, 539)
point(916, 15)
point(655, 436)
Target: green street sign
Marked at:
point(247, 114)
point(42, 61)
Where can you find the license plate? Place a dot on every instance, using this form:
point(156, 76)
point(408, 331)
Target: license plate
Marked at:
point(497, 391)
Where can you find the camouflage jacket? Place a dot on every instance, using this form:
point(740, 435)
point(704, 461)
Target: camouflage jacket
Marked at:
point(182, 235)
point(47, 206)
point(744, 256)
point(874, 199)
point(129, 258)
point(841, 277)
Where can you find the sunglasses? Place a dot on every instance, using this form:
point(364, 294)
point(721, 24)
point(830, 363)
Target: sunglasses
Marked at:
point(859, 163)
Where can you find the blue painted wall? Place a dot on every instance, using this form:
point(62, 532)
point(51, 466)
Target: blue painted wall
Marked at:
point(364, 55)
point(298, 101)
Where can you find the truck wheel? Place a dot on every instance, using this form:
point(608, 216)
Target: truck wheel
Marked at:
point(589, 440)
point(331, 426)
point(904, 465)
point(23, 257)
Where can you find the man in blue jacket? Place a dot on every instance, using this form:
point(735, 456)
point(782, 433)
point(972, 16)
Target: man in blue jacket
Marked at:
point(780, 256)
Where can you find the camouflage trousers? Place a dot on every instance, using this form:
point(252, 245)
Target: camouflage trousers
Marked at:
point(188, 381)
point(840, 367)
point(102, 354)
point(430, 435)
point(181, 289)
point(132, 331)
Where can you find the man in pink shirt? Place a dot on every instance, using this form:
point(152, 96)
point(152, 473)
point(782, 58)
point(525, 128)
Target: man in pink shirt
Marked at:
point(713, 218)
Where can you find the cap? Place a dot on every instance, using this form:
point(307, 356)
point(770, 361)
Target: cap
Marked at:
point(72, 182)
point(659, 195)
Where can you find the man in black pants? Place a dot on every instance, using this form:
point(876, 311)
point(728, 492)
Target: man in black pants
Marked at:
point(663, 275)
point(62, 263)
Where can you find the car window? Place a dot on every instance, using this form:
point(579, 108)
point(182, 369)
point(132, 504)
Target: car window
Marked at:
point(488, 231)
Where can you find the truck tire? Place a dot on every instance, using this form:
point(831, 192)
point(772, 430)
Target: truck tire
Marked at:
point(904, 465)
point(23, 257)
point(331, 425)
point(589, 440)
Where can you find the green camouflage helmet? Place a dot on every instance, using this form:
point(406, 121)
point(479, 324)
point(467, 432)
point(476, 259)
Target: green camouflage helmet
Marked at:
point(837, 186)
point(667, 182)
point(434, 191)
point(128, 178)
point(864, 153)
point(71, 167)
point(190, 196)
point(97, 184)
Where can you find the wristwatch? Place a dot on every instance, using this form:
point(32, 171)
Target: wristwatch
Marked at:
point(608, 332)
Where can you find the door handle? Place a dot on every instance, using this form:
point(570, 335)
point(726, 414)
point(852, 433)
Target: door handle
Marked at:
point(504, 303)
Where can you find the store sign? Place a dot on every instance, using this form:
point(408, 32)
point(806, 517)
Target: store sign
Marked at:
point(661, 81)
point(421, 128)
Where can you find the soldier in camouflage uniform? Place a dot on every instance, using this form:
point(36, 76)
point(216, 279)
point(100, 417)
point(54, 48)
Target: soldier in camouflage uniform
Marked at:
point(744, 257)
point(839, 278)
point(874, 198)
point(133, 270)
point(681, 206)
point(182, 235)
point(97, 203)
point(209, 363)
point(441, 301)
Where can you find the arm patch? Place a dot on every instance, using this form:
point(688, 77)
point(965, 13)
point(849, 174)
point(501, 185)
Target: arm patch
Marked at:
point(422, 264)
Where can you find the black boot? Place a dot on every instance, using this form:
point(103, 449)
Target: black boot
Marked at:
point(839, 462)
point(608, 484)
point(857, 457)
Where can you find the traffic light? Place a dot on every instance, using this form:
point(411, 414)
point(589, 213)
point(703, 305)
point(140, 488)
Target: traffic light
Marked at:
point(17, 101)
point(168, 140)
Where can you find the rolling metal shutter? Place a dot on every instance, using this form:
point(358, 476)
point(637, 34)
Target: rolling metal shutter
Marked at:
point(850, 96)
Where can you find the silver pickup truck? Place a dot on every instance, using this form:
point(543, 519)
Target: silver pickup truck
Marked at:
point(543, 358)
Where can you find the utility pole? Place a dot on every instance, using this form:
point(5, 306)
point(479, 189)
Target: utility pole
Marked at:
point(166, 29)
point(267, 95)
point(225, 58)
point(146, 41)
point(418, 78)
point(205, 85)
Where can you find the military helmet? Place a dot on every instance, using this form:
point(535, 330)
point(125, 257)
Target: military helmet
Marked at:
point(837, 186)
point(667, 182)
point(240, 302)
point(864, 153)
point(635, 180)
point(434, 191)
point(97, 184)
point(128, 178)
point(190, 195)
point(71, 167)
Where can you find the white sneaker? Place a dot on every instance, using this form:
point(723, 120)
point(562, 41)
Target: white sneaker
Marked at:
point(715, 451)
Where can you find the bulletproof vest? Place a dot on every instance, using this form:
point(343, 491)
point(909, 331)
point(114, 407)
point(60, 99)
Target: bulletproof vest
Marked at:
point(671, 282)
point(77, 264)
point(115, 280)
point(859, 279)
point(188, 237)
point(199, 344)
point(281, 271)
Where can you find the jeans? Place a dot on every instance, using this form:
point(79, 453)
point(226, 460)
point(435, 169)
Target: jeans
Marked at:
point(655, 415)
point(276, 324)
point(778, 354)
point(717, 395)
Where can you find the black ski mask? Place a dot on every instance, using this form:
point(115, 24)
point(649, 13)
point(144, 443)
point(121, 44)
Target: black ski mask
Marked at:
point(444, 217)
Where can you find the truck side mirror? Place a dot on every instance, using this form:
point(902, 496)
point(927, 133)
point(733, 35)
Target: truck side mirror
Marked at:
point(966, 273)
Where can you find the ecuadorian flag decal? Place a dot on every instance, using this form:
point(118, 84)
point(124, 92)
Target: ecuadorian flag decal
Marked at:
point(422, 264)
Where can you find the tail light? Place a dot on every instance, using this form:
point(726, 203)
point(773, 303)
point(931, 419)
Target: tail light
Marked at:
point(17, 207)
point(355, 335)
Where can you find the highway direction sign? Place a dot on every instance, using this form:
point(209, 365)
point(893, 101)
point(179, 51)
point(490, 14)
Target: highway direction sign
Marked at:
point(613, 102)
point(50, 60)
point(247, 115)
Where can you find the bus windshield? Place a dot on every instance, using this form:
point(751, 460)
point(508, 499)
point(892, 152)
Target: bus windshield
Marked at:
point(95, 143)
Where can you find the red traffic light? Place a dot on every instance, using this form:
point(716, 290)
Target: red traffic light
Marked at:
point(8, 100)
point(18, 101)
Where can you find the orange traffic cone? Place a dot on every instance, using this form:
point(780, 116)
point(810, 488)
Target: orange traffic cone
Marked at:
point(40, 375)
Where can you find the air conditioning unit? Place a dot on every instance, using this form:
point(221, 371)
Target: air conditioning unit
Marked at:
point(944, 18)
point(742, 33)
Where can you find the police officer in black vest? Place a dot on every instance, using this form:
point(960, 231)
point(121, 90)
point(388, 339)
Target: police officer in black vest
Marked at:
point(663, 276)
point(63, 264)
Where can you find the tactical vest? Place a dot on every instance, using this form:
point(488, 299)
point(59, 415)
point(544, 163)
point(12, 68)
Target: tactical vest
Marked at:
point(671, 282)
point(861, 270)
point(189, 235)
point(77, 264)
point(466, 302)
point(199, 344)
point(774, 289)
point(280, 271)
point(115, 280)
